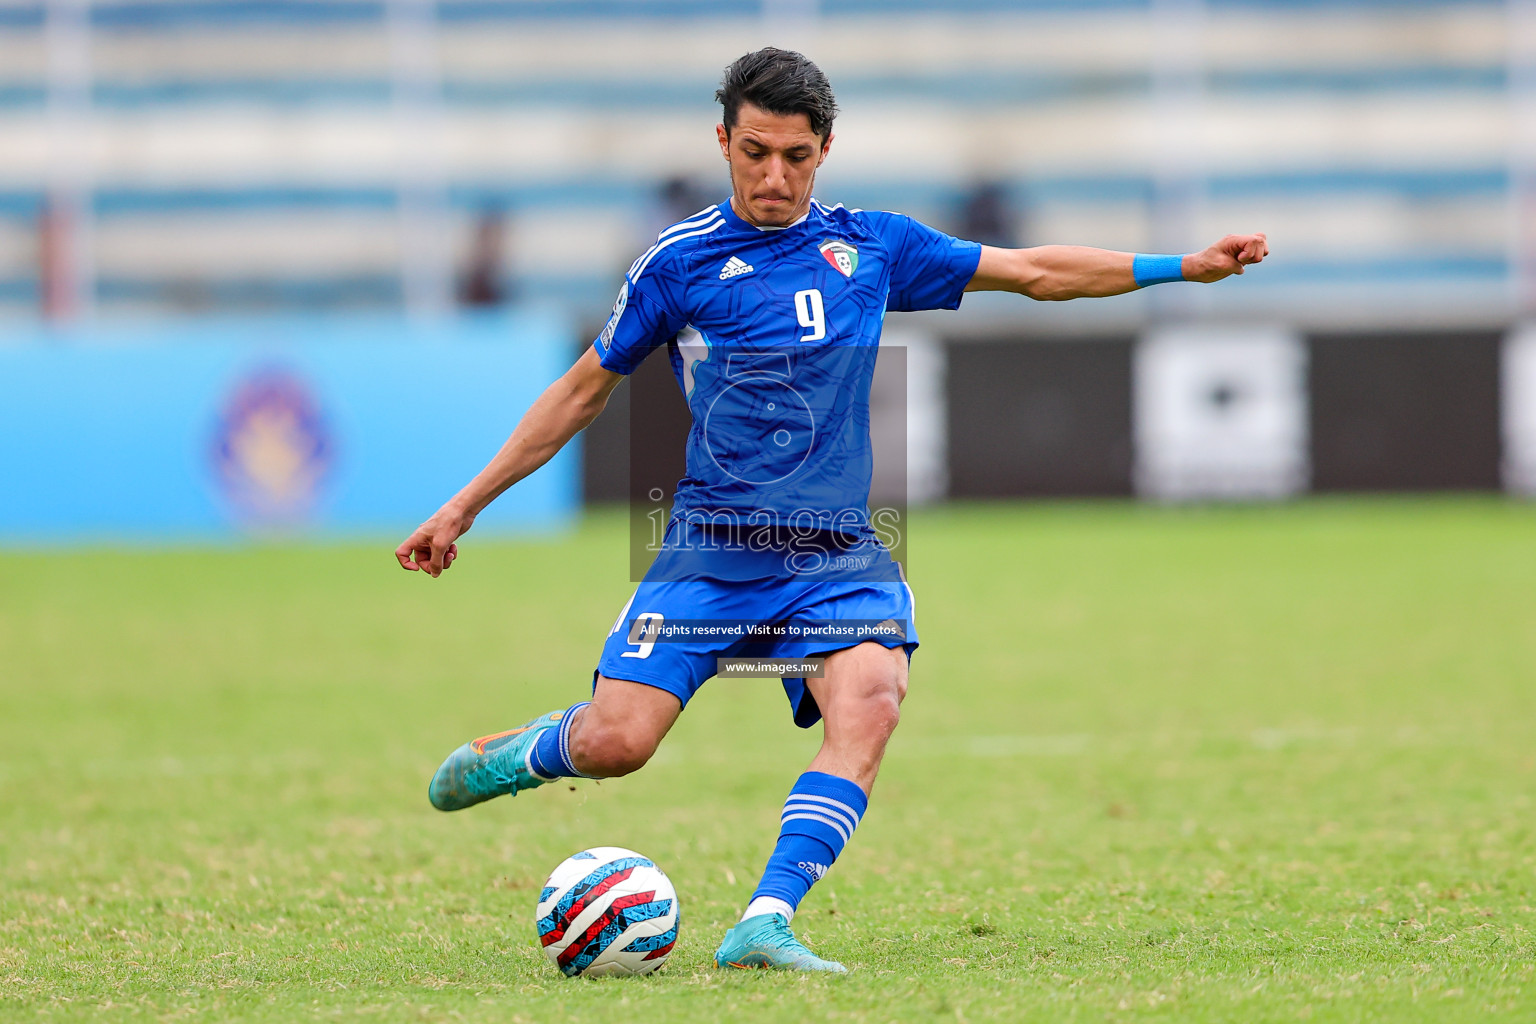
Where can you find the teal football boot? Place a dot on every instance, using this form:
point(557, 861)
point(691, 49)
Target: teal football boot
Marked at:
point(495, 765)
point(766, 941)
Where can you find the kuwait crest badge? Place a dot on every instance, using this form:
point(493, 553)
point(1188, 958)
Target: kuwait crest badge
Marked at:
point(841, 255)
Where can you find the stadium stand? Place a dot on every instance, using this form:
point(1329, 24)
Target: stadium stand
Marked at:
point(248, 154)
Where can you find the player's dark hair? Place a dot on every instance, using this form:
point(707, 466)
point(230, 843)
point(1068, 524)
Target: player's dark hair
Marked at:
point(781, 82)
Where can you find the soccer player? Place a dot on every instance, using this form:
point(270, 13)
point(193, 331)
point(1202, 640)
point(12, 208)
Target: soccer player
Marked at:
point(770, 307)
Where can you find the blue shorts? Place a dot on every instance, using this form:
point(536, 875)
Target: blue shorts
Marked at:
point(717, 619)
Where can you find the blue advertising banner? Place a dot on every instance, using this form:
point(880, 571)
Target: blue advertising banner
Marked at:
point(198, 431)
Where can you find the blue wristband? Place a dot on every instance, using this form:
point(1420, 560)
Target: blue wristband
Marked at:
point(1156, 269)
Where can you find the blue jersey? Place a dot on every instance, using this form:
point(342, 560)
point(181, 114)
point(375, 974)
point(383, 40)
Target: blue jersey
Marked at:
point(773, 334)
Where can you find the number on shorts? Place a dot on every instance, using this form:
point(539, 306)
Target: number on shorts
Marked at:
point(643, 634)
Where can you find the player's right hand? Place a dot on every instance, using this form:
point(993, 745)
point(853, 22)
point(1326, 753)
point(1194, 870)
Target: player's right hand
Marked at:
point(431, 548)
point(1225, 258)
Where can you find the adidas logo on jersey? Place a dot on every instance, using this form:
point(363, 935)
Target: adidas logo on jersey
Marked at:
point(734, 267)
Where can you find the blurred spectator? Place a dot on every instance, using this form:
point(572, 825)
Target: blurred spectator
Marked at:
point(484, 283)
point(52, 261)
point(676, 198)
point(681, 197)
point(987, 215)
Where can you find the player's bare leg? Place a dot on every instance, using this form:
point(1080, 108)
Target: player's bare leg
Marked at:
point(860, 699)
point(613, 734)
point(619, 731)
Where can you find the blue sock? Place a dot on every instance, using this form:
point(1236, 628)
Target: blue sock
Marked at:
point(551, 753)
point(819, 818)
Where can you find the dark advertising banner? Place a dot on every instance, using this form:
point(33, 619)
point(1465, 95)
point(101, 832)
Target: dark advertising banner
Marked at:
point(1040, 418)
point(1395, 411)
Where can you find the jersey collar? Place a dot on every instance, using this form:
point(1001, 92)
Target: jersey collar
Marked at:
point(737, 224)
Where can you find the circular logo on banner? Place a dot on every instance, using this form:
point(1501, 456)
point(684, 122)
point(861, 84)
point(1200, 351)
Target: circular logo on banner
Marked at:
point(272, 447)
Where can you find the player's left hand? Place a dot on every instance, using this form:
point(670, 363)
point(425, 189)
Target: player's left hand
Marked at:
point(1227, 257)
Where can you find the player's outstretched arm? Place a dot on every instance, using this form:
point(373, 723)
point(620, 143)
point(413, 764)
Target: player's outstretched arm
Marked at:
point(565, 407)
point(1053, 273)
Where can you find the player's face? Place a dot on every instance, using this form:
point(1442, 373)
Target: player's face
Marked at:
point(773, 160)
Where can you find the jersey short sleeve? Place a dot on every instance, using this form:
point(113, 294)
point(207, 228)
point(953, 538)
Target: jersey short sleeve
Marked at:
point(645, 315)
point(929, 269)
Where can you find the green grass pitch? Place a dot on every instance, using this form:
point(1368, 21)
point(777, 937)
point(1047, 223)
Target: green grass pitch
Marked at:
point(1194, 765)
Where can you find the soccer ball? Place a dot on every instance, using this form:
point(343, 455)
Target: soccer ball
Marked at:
point(607, 911)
